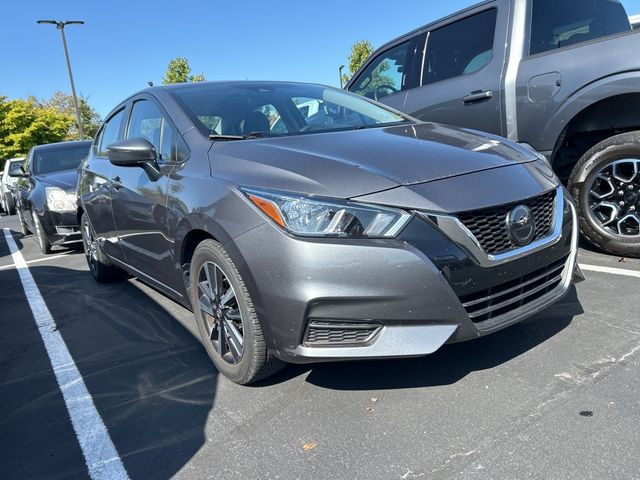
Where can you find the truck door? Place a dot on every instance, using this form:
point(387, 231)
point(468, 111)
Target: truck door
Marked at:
point(462, 69)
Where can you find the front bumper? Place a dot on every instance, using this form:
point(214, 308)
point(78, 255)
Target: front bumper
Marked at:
point(408, 292)
point(61, 227)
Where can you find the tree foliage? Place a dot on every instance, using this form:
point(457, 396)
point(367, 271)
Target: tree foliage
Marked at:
point(179, 71)
point(90, 118)
point(360, 52)
point(25, 123)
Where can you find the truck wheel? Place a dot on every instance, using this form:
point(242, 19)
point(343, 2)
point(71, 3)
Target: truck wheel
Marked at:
point(226, 318)
point(606, 186)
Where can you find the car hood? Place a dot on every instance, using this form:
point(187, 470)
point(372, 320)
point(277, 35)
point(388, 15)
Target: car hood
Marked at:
point(65, 179)
point(352, 163)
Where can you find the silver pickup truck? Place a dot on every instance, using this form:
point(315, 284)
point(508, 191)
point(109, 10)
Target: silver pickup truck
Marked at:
point(560, 76)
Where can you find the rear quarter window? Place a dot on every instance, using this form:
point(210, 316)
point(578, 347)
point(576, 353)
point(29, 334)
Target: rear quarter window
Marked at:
point(557, 24)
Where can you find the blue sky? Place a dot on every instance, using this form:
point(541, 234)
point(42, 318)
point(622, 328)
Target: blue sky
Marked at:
point(124, 44)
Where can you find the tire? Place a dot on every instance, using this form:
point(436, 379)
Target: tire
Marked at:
point(100, 266)
point(255, 361)
point(602, 182)
point(23, 226)
point(41, 235)
point(9, 204)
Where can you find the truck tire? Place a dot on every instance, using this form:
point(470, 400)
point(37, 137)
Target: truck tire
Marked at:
point(606, 185)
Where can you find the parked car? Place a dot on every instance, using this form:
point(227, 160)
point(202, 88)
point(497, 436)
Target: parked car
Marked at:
point(371, 235)
point(635, 21)
point(558, 76)
point(46, 193)
point(7, 184)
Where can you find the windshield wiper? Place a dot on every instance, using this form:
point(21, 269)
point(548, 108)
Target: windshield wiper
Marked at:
point(216, 136)
point(224, 137)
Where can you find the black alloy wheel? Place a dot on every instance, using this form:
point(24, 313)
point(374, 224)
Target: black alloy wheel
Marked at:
point(100, 266)
point(41, 235)
point(606, 186)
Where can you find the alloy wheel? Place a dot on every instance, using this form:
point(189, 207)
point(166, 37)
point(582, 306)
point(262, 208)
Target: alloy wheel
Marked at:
point(614, 198)
point(37, 228)
point(90, 245)
point(220, 313)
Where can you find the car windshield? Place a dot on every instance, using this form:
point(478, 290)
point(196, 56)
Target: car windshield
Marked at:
point(54, 159)
point(265, 109)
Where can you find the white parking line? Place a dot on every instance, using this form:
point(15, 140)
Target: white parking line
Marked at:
point(99, 452)
point(44, 259)
point(612, 271)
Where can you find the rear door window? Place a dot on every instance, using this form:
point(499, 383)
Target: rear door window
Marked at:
point(557, 24)
point(460, 48)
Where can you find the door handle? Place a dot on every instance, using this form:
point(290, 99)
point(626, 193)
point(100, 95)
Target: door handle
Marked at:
point(115, 183)
point(477, 96)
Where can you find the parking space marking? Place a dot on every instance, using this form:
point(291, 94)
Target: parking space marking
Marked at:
point(29, 262)
point(100, 453)
point(610, 270)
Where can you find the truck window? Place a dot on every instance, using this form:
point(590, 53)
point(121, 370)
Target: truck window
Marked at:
point(557, 24)
point(461, 48)
point(392, 71)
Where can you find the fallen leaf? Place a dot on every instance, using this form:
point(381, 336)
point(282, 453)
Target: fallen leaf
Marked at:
point(309, 446)
point(369, 408)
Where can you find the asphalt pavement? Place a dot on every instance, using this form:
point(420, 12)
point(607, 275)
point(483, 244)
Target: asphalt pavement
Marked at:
point(554, 397)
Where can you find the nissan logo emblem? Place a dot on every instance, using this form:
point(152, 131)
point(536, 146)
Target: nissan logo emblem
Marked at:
point(521, 225)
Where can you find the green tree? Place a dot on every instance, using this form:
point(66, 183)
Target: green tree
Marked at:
point(360, 52)
point(26, 122)
point(90, 118)
point(179, 71)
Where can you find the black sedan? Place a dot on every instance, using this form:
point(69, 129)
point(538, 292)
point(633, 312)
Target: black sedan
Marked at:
point(46, 193)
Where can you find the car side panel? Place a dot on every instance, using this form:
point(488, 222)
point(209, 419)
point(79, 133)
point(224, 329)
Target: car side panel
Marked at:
point(553, 87)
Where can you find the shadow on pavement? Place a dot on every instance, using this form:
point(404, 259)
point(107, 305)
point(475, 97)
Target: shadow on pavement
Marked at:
point(150, 380)
point(4, 248)
point(451, 363)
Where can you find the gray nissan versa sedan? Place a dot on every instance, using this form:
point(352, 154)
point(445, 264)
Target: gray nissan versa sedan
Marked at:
point(349, 231)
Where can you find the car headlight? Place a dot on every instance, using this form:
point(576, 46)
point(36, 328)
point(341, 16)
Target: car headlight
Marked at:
point(60, 201)
point(309, 217)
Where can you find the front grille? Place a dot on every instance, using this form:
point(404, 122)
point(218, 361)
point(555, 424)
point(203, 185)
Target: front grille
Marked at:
point(501, 299)
point(322, 333)
point(489, 226)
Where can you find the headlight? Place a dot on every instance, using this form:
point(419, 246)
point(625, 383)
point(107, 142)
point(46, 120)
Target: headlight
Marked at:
point(309, 217)
point(60, 201)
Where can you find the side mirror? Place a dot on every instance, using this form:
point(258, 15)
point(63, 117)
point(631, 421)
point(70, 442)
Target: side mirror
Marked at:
point(20, 173)
point(135, 152)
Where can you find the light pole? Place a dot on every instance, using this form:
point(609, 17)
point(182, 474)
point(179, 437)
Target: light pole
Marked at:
point(340, 73)
point(60, 26)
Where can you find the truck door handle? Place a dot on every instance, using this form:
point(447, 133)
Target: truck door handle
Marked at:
point(115, 183)
point(478, 96)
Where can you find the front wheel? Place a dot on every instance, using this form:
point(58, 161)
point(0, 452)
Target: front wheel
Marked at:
point(9, 204)
point(43, 239)
point(606, 186)
point(23, 225)
point(99, 264)
point(226, 318)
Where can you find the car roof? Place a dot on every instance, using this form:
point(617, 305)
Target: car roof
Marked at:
point(63, 145)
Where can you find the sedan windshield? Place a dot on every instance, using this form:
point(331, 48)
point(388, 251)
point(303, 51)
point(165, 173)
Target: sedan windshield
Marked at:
point(58, 158)
point(253, 110)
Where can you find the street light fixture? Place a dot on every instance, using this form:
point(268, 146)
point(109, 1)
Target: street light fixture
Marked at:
point(60, 26)
point(340, 73)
